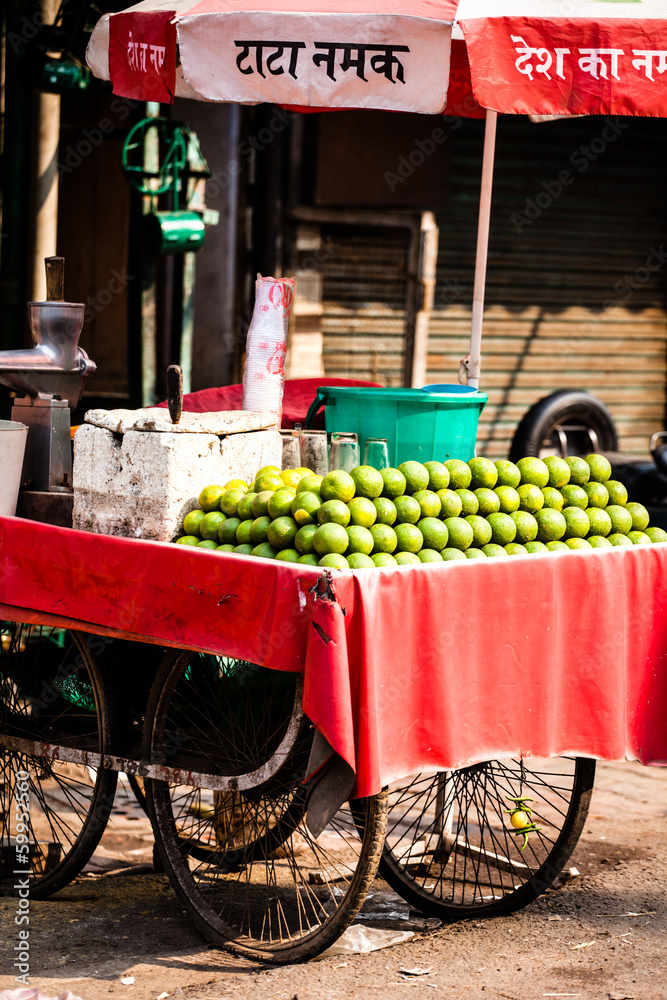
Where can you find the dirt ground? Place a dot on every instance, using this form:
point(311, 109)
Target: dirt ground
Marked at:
point(601, 936)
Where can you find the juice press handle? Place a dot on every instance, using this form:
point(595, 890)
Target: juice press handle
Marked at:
point(175, 392)
point(55, 279)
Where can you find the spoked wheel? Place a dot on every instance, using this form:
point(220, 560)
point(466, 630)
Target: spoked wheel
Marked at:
point(451, 849)
point(233, 836)
point(52, 811)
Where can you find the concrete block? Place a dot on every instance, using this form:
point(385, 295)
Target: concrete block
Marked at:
point(154, 418)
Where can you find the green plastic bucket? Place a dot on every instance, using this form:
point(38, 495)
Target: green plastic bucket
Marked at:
point(418, 424)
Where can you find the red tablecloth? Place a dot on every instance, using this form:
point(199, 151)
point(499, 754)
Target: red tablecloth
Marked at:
point(405, 669)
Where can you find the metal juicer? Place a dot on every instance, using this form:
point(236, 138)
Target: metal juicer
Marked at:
point(50, 378)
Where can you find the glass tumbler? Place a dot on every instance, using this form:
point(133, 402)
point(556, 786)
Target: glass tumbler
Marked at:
point(313, 447)
point(291, 449)
point(344, 451)
point(376, 453)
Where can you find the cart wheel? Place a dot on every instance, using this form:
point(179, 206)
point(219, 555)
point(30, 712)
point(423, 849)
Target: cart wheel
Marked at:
point(242, 859)
point(52, 812)
point(451, 850)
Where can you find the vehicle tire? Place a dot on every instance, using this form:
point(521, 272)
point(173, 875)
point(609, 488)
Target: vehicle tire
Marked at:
point(584, 422)
point(240, 856)
point(51, 692)
point(451, 852)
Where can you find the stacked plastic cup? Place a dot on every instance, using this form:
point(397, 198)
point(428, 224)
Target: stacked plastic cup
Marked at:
point(264, 369)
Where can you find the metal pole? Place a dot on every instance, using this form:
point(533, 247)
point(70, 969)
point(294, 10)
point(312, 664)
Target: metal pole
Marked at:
point(473, 361)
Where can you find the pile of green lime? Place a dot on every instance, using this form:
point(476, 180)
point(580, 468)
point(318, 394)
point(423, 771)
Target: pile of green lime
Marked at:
point(420, 513)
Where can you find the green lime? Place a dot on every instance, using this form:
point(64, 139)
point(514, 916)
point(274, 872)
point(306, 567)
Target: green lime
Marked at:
point(363, 511)
point(559, 471)
point(384, 538)
point(429, 502)
point(493, 550)
point(617, 492)
point(599, 542)
point(337, 485)
point(475, 553)
point(192, 521)
point(429, 555)
point(259, 529)
point(515, 549)
point(508, 473)
point(291, 478)
point(483, 472)
point(656, 534)
point(621, 518)
point(309, 484)
point(303, 540)
point(357, 560)
point(244, 507)
point(509, 499)
point(304, 507)
point(534, 548)
point(481, 530)
point(531, 498)
point(451, 503)
point(209, 498)
point(438, 475)
point(533, 471)
point(282, 532)
point(577, 543)
point(330, 538)
point(489, 502)
point(459, 474)
point(394, 483)
point(229, 501)
point(556, 546)
point(288, 555)
point(461, 533)
point(386, 510)
point(269, 481)
point(209, 525)
point(639, 515)
point(333, 512)
point(383, 559)
point(260, 503)
point(618, 539)
point(596, 493)
point(580, 472)
point(408, 510)
point(600, 468)
point(577, 524)
point(553, 498)
point(434, 533)
point(503, 528)
point(600, 521)
point(416, 476)
point(188, 540)
point(575, 496)
point(226, 548)
point(636, 537)
point(309, 559)
point(368, 481)
point(526, 526)
point(551, 525)
point(208, 543)
point(267, 468)
point(334, 561)
point(241, 534)
point(360, 539)
point(407, 559)
point(237, 484)
point(450, 554)
point(469, 502)
point(226, 533)
point(408, 538)
point(243, 550)
point(280, 504)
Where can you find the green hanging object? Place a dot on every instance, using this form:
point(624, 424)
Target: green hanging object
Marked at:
point(173, 232)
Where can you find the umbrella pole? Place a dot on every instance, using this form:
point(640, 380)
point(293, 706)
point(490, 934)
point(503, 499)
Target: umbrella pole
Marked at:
point(472, 363)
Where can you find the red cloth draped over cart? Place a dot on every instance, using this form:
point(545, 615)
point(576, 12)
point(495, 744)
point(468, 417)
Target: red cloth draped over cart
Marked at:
point(408, 669)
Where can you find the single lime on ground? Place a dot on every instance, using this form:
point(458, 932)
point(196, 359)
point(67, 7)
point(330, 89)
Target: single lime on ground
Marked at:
point(386, 510)
point(656, 534)
point(291, 477)
point(474, 553)
point(533, 471)
point(416, 476)
point(207, 543)
point(310, 483)
point(639, 515)
point(597, 494)
point(508, 473)
point(360, 539)
point(559, 471)
point(481, 530)
point(383, 559)
point(241, 534)
point(209, 498)
point(210, 525)
point(493, 550)
point(188, 540)
point(551, 525)
point(460, 533)
point(574, 496)
point(244, 507)
point(515, 549)
point(599, 520)
point(226, 548)
point(330, 538)
point(334, 561)
point(459, 474)
point(260, 503)
point(282, 532)
point(408, 538)
point(384, 538)
point(503, 528)
point(337, 485)
point(363, 511)
point(577, 543)
point(429, 555)
point(229, 501)
point(553, 498)
point(469, 502)
point(438, 476)
point(557, 546)
point(509, 499)
point(580, 472)
point(357, 560)
point(191, 522)
point(451, 503)
point(483, 474)
point(408, 510)
point(617, 492)
point(304, 507)
point(636, 537)
point(534, 548)
point(621, 519)
point(531, 498)
point(599, 542)
point(577, 524)
point(333, 512)
point(288, 555)
point(228, 531)
point(407, 559)
point(280, 504)
point(526, 526)
point(394, 483)
point(244, 549)
point(616, 538)
point(600, 467)
point(269, 481)
point(303, 540)
point(309, 559)
point(429, 502)
point(367, 481)
point(259, 529)
point(488, 500)
point(449, 554)
point(434, 533)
